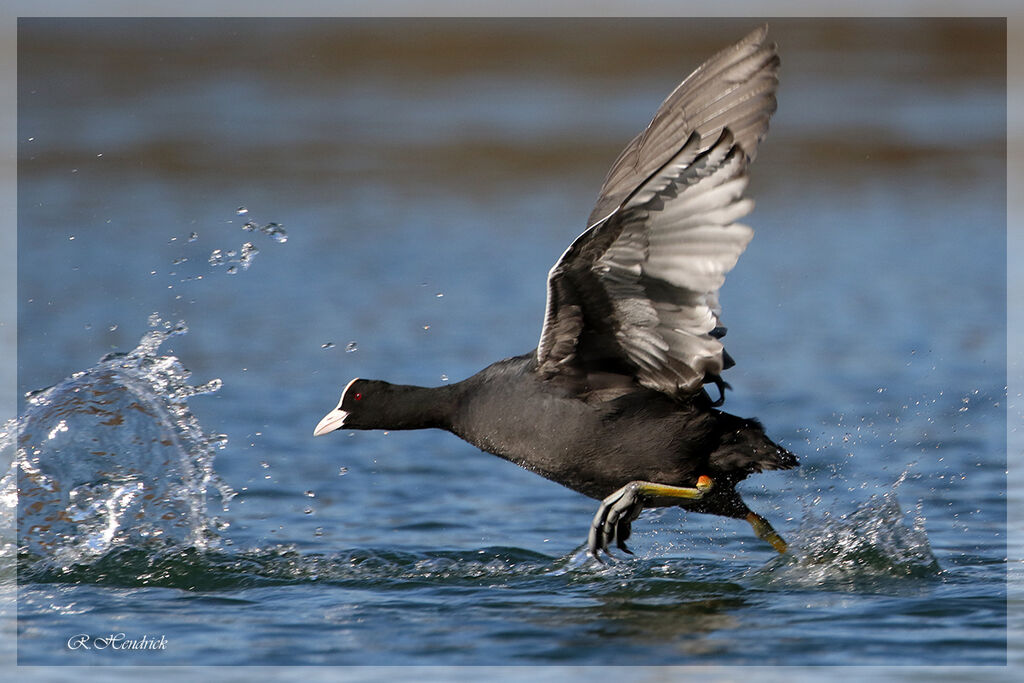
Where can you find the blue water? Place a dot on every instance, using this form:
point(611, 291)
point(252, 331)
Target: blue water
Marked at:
point(426, 176)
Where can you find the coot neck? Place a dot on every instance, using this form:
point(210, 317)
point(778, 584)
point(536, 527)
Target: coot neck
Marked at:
point(413, 407)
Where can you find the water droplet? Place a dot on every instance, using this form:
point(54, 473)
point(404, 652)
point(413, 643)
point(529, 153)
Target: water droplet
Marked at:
point(179, 261)
point(319, 531)
point(275, 231)
point(71, 239)
point(210, 387)
point(249, 226)
point(264, 464)
point(310, 494)
point(439, 295)
point(216, 257)
point(444, 378)
point(308, 511)
point(88, 326)
point(241, 211)
point(248, 254)
point(342, 471)
point(327, 345)
point(426, 327)
point(193, 236)
point(232, 253)
point(232, 270)
point(351, 347)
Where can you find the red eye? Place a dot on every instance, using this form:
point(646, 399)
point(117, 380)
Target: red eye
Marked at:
point(358, 397)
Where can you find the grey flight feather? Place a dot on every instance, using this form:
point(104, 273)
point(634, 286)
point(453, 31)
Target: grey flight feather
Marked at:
point(735, 88)
point(640, 286)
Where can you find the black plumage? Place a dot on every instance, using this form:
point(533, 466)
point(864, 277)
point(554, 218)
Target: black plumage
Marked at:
point(611, 403)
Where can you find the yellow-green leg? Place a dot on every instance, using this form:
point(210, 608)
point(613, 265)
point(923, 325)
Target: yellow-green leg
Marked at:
point(617, 512)
point(765, 531)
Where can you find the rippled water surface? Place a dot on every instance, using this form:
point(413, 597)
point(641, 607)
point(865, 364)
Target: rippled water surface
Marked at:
point(319, 200)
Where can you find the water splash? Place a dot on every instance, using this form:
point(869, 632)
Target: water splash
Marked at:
point(111, 457)
point(871, 547)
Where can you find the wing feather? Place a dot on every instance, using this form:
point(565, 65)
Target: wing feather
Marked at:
point(639, 288)
point(735, 88)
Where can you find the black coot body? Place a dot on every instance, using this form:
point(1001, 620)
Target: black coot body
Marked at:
point(612, 402)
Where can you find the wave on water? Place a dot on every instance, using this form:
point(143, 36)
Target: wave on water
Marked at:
point(111, 457)
point(208, 569)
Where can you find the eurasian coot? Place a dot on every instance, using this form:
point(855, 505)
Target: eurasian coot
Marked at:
point(612, 403)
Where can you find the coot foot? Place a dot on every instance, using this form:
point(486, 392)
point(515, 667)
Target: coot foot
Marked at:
point(765, 531)
point(616, 513)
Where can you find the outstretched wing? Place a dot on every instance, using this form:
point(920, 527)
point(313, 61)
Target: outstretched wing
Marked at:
point(640, 287)
point(734, 89)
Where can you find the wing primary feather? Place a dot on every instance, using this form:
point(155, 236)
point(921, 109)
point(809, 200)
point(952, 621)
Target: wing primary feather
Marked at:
point(640, 285)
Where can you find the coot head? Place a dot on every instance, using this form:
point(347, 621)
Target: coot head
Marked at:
point(355, 405)
point(374, 404)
